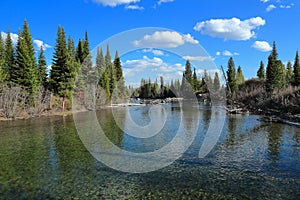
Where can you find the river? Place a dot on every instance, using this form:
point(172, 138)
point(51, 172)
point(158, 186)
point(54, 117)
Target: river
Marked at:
point(46, 158)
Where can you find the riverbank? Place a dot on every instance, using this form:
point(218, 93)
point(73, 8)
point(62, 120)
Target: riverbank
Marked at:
point(281, 106)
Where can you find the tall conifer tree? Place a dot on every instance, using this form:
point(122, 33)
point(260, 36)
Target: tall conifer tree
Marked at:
point(261, 71)
point(297, 70)
point(289, 73)
point(240, 80)
point(42, 69)
point(9, 57)
point(231, 75)
point(24, 72)
point(2, 60)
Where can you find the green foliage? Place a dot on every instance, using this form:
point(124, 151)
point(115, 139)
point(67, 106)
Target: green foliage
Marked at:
point(9, 57)
point(120, 87)
point(187, 81)
point(261, 71)
point(206, 83)
point(275, 75)
point(231, 75)
point(240, 80)
point(79, 55)
point(217, 84)
point(188, 72)
point(195, 80)
point(24, 72)
point(2, 60)
point(297, 70)
point(42, 69)
point(100, 64)
point(102, 74)
point(289, 73)
point(64, 67)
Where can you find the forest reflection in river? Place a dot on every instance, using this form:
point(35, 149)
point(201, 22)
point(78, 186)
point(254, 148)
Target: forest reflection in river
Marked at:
point(45, 158)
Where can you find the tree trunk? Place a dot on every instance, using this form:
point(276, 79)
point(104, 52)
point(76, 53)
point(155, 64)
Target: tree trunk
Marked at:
point(63, 104)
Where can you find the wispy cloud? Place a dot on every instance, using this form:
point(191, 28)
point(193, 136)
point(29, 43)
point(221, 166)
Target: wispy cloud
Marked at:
point(198, 58)
point(264, 1)
point(134, 7)
point(154, 51)
point(226, 53)
point(164, 1)
point(114, 3)
point(230, 29)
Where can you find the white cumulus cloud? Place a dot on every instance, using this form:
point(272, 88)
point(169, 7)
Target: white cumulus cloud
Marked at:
point(262, 46)
point(270, 7)
point(114, 3)
point(165, 39)
point(38, 44)
point(14, 37)
point(231, 29)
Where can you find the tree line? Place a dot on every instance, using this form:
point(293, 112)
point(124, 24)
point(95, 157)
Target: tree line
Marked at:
point(71, 71)
point(276, 76)
point(187, 87)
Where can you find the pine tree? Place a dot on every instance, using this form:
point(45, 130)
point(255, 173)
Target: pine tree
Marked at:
point(188, 72)
point(71, 71)
point(107, 57)
point(119, 76)
point(102, 74)
point(261, 71)
point(9, 57)
point(86, 46)
point(42, 69)
point(162, 86)
point(217, 84)
point(297, 70)
point(100, 64)
point(195, 80)
point(275, 75)
point(289, 73)
point(206, 82)
point(240, 80)
point(79, 55)
point(187, 84)
point(24, 72)
point(118, 67)
point(59, 63)
point(110, 71)
point(2, 60)
point(231, 75)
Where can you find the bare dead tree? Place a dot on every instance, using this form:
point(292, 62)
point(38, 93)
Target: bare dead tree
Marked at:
point(12, 101)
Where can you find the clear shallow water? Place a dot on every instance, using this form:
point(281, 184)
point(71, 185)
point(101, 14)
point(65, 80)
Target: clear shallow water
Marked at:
point(45, 159)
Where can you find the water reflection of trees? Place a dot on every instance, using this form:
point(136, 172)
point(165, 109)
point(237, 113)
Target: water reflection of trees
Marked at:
point(111, 129)
point(274, 141)
point(232, 124)
point(190, 117)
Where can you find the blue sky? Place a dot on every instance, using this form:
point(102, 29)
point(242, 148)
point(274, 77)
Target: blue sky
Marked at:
point(242, 29)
